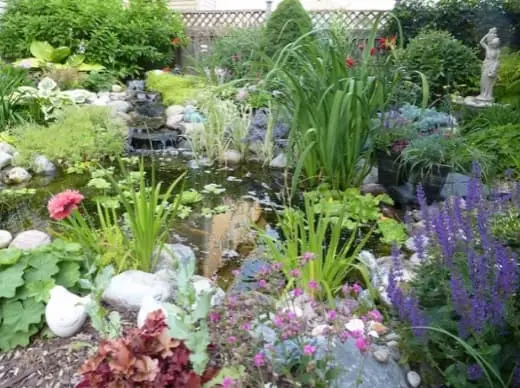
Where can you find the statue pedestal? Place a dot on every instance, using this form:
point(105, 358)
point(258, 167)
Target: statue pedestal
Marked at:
point(475, 102)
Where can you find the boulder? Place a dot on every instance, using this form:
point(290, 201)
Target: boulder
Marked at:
point(7, 148)
point(5, 159)
point(372, 177)
point(16, 175)
point(116, 88)
point(202, 284)
point(173, 122)
point(279, 161)
point(30, 239)
point(128, 289)
point(5, 238)
point(148, 306)
point(231, 156)
point(170, 254)
point(43, 166)
point(120, 106)
point(65, 312)
point(79, 96)
point(118, 96)
point(365, 371)
point(174, 110)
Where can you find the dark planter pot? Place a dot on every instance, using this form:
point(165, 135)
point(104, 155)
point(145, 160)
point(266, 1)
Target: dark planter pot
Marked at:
point(389, 171)
point(434, 182)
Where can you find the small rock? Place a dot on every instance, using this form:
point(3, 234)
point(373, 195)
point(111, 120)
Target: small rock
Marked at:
point(413, 379)
point(174, 110)
point(43, 166)
point(79, 96)
point(5, 238)
point(173, 122)
point(354, 325)
point(393, 344)
point(170, 254)
point(30, 239)
point(231, 156)
point(120, 106)
point(378, 327)
point(118, 96)
point(16, 175)
point(117, 88)
point(202, 284)
point(129, 288)
point(279, 161)
point(372, 177)
point(395, 354)
point(65, 312)
point(392, 337)
point(5, 159)
point(373, 334)
point(382, 355)
point(372, 188)
point(7, 148)
point(320, 330)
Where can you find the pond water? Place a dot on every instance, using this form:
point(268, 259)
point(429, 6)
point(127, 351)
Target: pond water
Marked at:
point(251, 194)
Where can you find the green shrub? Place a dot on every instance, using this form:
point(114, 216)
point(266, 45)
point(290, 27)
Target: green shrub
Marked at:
point(26, 279)
point(444, 60)
point(11, 110)
point(78, 134)
point(238, 51)
point(468, 21)
point(126, 39)
point(175, 89)
point(286, 24)
point(507, 89)
point(99, 81)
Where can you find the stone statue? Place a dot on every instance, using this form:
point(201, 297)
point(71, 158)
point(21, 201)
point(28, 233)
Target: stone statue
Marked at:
point(491, 43)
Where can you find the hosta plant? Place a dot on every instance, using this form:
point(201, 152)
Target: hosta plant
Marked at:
point(26, 277)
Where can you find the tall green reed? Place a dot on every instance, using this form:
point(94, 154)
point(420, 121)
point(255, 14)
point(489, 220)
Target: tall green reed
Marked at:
point(332, 101)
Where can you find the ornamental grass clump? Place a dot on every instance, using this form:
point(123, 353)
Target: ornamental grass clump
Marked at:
point(466, 290)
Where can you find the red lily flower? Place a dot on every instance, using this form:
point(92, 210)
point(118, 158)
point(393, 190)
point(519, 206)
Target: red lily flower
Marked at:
point(387, 42)
point(350, 62)
point(373, 51)
point(166, 70)
point(361, 47)
point(176, 41)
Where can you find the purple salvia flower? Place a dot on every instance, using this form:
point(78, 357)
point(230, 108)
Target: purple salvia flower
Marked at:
point(474, 372)
point(461, 303)
point(419, 243)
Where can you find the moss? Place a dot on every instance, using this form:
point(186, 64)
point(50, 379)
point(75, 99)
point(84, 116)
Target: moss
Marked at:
point(79, 134)
point(174, 89)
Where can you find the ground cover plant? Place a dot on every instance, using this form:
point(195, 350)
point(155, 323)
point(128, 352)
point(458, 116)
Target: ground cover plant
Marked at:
point(97, 135)
point(174, 89)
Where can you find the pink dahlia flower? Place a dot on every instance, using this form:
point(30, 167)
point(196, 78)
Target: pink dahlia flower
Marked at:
point(61, 205)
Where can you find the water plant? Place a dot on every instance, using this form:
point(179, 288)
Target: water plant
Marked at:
point(466, 288)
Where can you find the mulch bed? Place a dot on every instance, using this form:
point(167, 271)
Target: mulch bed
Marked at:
point(52, 363)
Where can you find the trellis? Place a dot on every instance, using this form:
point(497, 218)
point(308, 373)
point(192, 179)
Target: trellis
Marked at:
point(203, 27)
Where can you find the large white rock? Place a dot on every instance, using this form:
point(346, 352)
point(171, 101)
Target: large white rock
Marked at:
point(120, 106)
point(174, 110)
point(5, 238)
point(279, 162)
point(5, 159)
point(16, 175)
point(117, 88)
point(7, 148)
point(43, 166)
point(30, 239)
point(129, 288)
point(173, 122)
point(355, 325)
point(65, 312)
point(148, 305)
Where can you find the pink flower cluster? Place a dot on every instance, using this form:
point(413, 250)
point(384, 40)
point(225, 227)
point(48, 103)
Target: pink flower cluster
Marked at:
point(288, 324)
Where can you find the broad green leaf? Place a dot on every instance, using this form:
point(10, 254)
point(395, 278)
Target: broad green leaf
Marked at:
point(198, 341)
point(43, 267)
point(9, 256)
point(11, 339)
point(28, 63)
point(59, 54)
point(199, 361)
point(18, 316)
point(75, 60)
point(176, 327)
point(42, 51)
point(40, 290)
point(90, 67)
point(10, 279)
point(69, 274)
point(202, 306)
point(103, 277)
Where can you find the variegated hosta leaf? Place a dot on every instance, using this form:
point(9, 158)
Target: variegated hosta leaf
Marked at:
point(46, 84)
